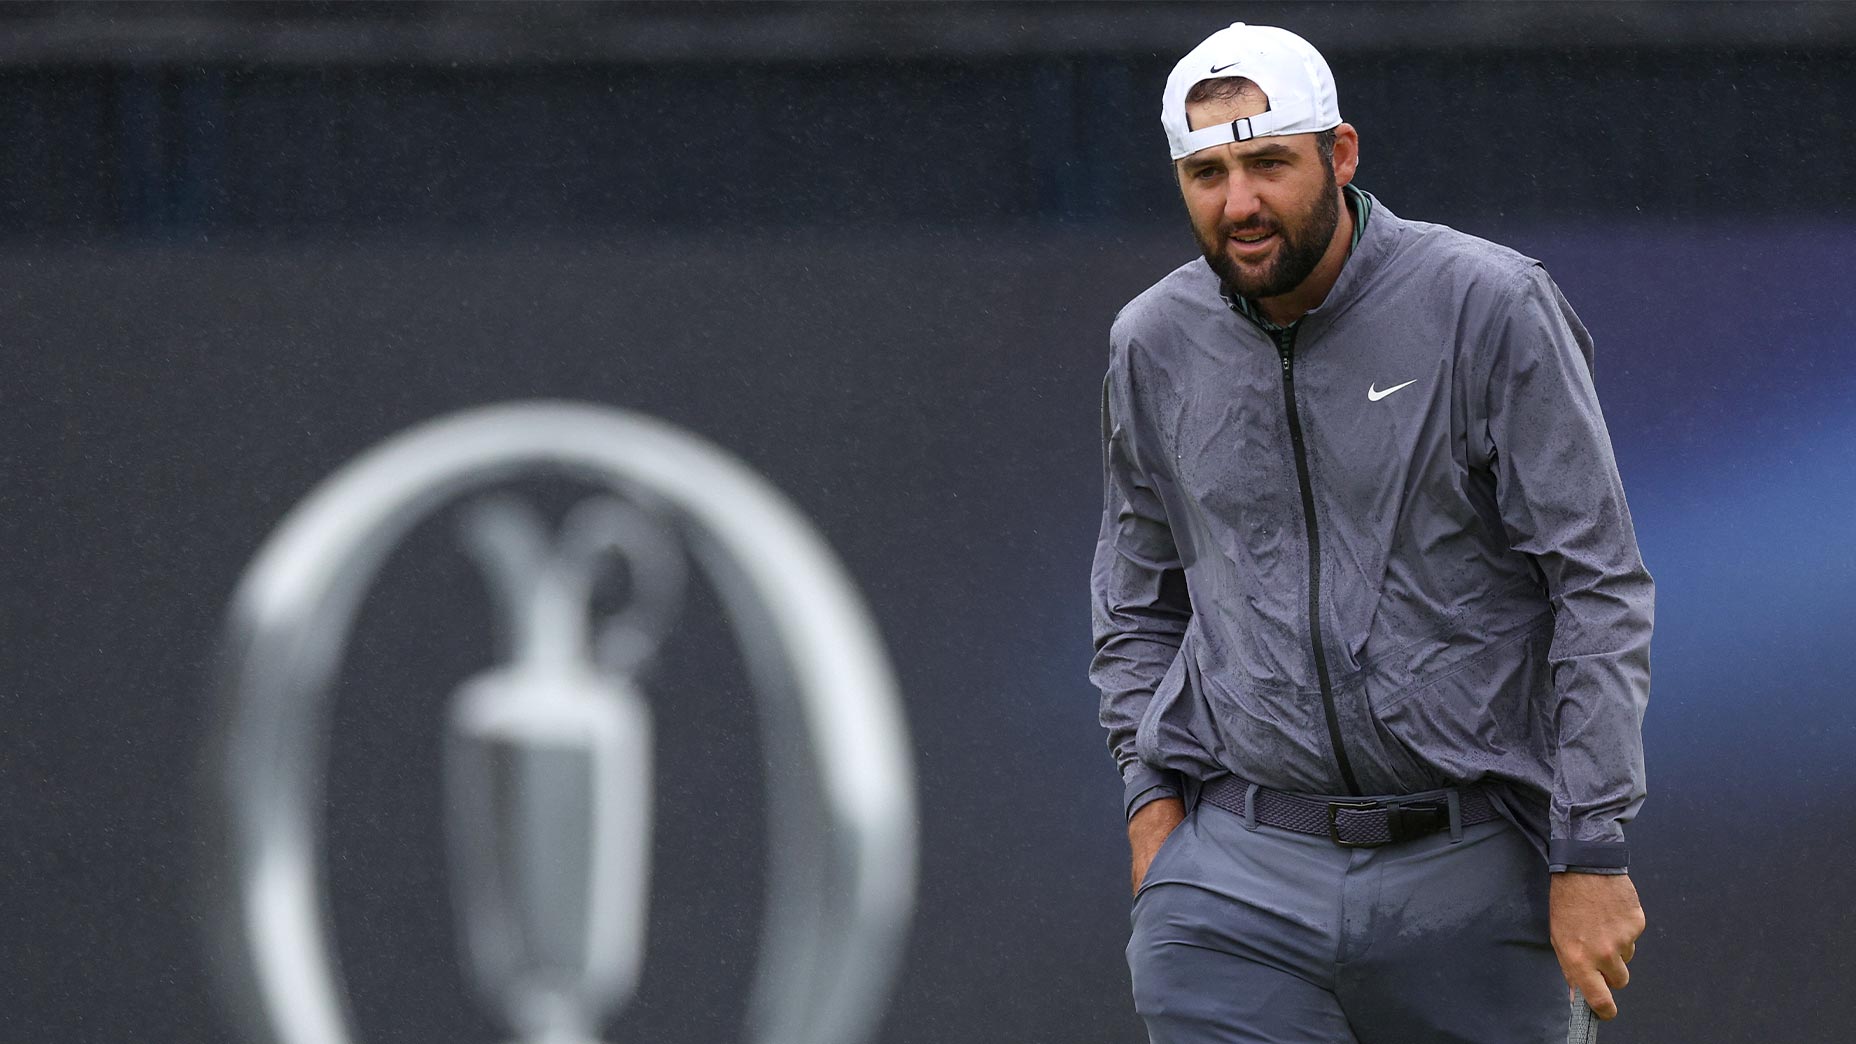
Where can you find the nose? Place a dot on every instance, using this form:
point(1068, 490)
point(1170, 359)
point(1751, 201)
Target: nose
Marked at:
point(1241, 202)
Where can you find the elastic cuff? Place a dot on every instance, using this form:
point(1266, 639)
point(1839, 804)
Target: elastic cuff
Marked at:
point(1601, 871)
point(1597, 855)
point(1140, 781)
point(1148, 797)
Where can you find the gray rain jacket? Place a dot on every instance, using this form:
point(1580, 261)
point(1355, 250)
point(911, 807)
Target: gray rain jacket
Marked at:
point(1383, 551)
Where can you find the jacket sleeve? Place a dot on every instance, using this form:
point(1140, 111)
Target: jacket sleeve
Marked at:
point(1563, 505)
point(1140, 607)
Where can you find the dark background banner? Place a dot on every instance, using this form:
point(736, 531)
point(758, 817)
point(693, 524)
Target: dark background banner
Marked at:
point(874, 251)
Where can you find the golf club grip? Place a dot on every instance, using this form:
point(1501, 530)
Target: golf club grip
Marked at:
point(1583, 1029)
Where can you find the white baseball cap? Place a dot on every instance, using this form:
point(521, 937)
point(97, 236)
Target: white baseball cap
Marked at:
point(1286, 67)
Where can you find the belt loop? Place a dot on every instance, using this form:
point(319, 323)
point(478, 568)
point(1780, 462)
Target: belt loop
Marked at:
point(1456, 815)
point(1250, 806)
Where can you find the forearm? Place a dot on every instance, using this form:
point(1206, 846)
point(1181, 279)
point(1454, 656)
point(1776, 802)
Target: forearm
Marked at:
point(1600, 657)
point(1127, 669)
point(1562, 502)
point(1140, 607)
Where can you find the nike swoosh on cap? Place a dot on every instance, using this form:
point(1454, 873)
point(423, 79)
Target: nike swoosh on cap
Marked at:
point(1222, 68)
point(1373, 394)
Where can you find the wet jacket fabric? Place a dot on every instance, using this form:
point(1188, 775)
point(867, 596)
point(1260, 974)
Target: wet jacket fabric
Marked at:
point(1381, 551)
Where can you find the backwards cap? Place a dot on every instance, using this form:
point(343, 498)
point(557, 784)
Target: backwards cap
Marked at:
point(1284, 66)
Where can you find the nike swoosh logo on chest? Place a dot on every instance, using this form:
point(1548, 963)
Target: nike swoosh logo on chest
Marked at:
point(1373, 394)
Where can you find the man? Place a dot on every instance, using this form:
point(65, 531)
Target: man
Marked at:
point(1372, 632)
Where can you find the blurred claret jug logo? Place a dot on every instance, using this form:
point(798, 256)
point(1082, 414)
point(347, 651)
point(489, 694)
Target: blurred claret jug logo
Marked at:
point(548, 756)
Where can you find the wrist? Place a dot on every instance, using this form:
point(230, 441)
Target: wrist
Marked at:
point(1156, 819)
point(1148, 797)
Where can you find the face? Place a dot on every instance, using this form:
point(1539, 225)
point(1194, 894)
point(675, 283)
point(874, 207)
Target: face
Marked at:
point(1264, 210)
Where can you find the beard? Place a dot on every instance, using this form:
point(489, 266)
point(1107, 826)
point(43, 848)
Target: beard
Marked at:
point(1301, 242)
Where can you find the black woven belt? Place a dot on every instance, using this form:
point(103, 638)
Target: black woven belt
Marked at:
point(1361, 823)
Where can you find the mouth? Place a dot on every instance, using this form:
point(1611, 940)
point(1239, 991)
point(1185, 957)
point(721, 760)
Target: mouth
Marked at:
point(1251, 244)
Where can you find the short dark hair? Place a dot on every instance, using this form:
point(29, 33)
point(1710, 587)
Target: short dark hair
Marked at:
point(1324, 144)
point(1223, 89)
point(1229, 87)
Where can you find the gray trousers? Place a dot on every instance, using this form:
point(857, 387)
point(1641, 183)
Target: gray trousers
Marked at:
point(1265, 936)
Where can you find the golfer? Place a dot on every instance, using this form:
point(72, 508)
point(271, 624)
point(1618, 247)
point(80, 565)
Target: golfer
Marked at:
point(1371, 627)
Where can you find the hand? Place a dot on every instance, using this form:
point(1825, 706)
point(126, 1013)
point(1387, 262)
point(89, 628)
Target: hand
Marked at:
point(1148, 830)
point(1596, 920)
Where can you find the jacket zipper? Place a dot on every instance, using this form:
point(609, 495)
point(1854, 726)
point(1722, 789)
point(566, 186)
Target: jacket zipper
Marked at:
point(1285, 347)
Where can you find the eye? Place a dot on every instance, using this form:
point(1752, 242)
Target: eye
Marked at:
point(1205, 173)
point(1268, 164)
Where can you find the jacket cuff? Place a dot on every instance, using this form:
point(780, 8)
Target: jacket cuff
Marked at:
point(1144, 784)
point(1587, 856)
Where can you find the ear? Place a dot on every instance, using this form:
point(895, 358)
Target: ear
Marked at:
point(1346, 153)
